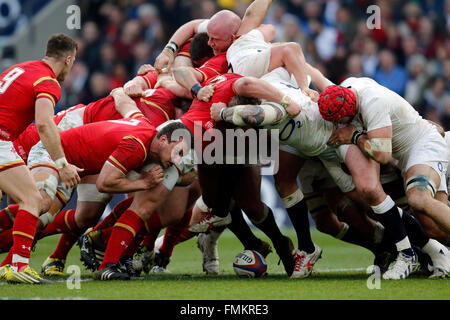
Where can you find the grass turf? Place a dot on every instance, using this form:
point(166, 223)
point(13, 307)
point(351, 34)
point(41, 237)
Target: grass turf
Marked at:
point(340, 274)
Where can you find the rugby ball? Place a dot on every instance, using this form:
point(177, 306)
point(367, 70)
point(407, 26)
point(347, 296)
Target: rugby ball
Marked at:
point(249, 264)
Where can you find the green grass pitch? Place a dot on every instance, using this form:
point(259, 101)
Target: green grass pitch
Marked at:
point(340, 274)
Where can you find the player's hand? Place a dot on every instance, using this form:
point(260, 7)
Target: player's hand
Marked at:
point(216, 108)
point(154, 176)
point(116, 91)
point(314, 95)
point(206, 93)
point(293, 109)
point(341, 136)
point(133, 89)
point(69, 175)
point(164, 59)
point(144, 69)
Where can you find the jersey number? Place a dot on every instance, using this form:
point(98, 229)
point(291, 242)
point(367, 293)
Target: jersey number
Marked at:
point(131, 122)
point(9, 78)
point(289, 127)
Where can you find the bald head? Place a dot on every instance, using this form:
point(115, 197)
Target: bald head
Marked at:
point(222, 27)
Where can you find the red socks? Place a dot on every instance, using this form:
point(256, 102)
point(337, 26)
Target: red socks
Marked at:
point(63, 222)
point(122, 235)
point(115, 214)
point(23, 234)
point(65, 243)
point(6, 240)
point(173, 233)
point(7, 217)
point(153, 226)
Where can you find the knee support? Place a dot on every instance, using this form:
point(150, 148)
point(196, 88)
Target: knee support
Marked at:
point(423, 181)
point(49, 185)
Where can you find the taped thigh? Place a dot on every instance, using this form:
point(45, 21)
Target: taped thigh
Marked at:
point(423, 181)
point(89, 192)
point(49, 185)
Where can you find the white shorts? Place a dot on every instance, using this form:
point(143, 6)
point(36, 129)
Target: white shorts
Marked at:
point(430, 150)
point(332, 165)
point(72, 119)
point(9, 158)
point(89, 192)
point(250, 55)
point(313, 171)
point(39, 157)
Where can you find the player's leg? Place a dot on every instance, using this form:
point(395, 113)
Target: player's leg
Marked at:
point(421, 181)
point(365, 173)
point(129, 224)
point(18, 183)
point(293, 199)
point(247, 197)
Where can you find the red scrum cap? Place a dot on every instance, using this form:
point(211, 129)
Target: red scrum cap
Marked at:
point(336, 102)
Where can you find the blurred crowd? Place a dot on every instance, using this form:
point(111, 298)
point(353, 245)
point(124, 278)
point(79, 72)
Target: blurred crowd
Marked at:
point(409, 53)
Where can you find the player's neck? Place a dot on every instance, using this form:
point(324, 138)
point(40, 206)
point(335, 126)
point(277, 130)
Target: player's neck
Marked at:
point(153, 152)
point(54, 65)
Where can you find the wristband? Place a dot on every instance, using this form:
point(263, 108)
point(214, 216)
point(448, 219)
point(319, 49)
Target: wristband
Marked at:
point(356, 136)
point(285, 101)
point(61, 163)
point(221, 113)
point(172, 46)
point(196, 88)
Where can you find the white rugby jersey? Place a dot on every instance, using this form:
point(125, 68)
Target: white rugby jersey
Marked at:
point(308, 132)
point(380, 107)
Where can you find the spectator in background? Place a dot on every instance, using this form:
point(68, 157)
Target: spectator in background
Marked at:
point(291, 31)
point(418, 77)
point(369, 57)
point(354, 66)
point(124, 45)
point(72, 86)
point(445, 118)
point(149, 18)
point(390, 74)
point(98, 87)
point(277, 17)
point(142, 55)
point(107, 58)
point(435, 94)
point(91, 37)
point(337, 65)
point(345, 24)
point(325, 39)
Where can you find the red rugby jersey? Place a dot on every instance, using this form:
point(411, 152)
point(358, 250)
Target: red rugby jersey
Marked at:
point(214, 66)
point(123, 143)
point(200, 110)
point(20, 86)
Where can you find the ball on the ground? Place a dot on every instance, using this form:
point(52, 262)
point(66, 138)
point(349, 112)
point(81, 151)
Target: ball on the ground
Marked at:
point(249, 264)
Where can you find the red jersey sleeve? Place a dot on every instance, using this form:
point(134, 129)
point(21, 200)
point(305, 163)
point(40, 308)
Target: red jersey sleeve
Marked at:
point(151, 78)
point(214, 66)
point(184, 50)
point(47, 87)
point(129, 154)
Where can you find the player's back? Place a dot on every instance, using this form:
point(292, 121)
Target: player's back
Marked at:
point(157, 105)
point(89, 146)
point(20, 86)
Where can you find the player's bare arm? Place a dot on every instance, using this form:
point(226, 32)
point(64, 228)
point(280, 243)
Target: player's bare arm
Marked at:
point(254, 16)
point(135, 87)
point(112, 180)
point(167, 56)
point(124, 104)
point(49, 134)
point(256, 88)
point(375, 144)
point(241, 115)
point(317, 78)
point(190, 79)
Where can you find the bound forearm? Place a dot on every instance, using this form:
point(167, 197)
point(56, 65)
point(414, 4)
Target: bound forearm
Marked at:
point(253, 115)
point(185, 32)
point(376, 149)
point(123, 103)
point(121, 185)
point(49, 134)
point(256, 88)
point(185, 76)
